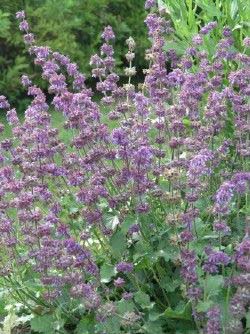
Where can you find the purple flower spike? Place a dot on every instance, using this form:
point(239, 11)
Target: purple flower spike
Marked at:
point(214, 321)
point(108, 33)
point(4, 104)
point(20, 15)
point(125, 267)
point(149, 4)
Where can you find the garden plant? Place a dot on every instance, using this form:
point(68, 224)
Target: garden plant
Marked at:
point(135, 216)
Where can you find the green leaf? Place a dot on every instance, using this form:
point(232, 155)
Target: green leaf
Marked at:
point(155, 314)
point(234, 9)
point(204, 306)
point(124, 306)
point(107, 272)
point(110, 326)
point(153, 327)
point(248, 320)
point(142, 299)
point(118, 243)
point(186, 122)
point(85, 326)
point(43, 324)
point(213, 285)
point(169, 284)
point(183, 312)
point(209, 8)
point(130, 220)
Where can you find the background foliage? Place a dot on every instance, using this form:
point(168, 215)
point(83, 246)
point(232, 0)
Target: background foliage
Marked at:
point(188, 16)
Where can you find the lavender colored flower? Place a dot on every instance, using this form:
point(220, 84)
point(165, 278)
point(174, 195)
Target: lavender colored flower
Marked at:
point(246, 41)
point(214, 321)
point(197, 40)
point(237, 308)
point(127, 295)
point(198, 165)
point(208, 28)
point(188, 270)
point(20, 15)
point(221, 227)
point(26, 82)
point(4, 104)
point(108, 34)
point(119, 282)
point(149, 4)
point(29, 38)
point(234, 327)
point(215, 259)
point(24, 26)
point(227, 32)
point(125, 267)
point(135, 228)
point(120, 137)
point(224, 196)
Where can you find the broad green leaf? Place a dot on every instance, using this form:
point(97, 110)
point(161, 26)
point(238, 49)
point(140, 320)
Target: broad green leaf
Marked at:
point(248, 320)
point(183, 312)
point(43, 324)
point(169, 284)
point(209, 8)
point(142, 299)
point(186, 122)
point(204, 306)
point(213, 285)
point(234, 9)
point(85, 326)
point(110, 326)
point(130, 220)
point(154, 315)
point(153, 327)
point(124, 306)
point(107, 272)
point(118, 243)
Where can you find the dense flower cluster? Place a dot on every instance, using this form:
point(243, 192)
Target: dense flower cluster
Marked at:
point(166, 165)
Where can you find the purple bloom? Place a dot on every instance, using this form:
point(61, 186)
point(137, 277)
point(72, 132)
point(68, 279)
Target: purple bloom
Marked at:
point(198, 165)
point(215, 259)
point(246, 41)
point(214, 321)
point(119, 282)
point(4, 104)
point(108, 33)
point(120, 137)
point(188, 270)
point(227, 32)
point(29, 38)
point(20, 15)
point(221, 227)
point(127, 295)
point(224, 196)
point(24, 26)
point(186, 236)
point(125, 267)
point(26, 82)
point(197, 40)
point(135, 228)
point(149, 4)
point(208, 28)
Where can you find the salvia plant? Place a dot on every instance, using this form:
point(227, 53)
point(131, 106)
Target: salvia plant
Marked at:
point(139, 221)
